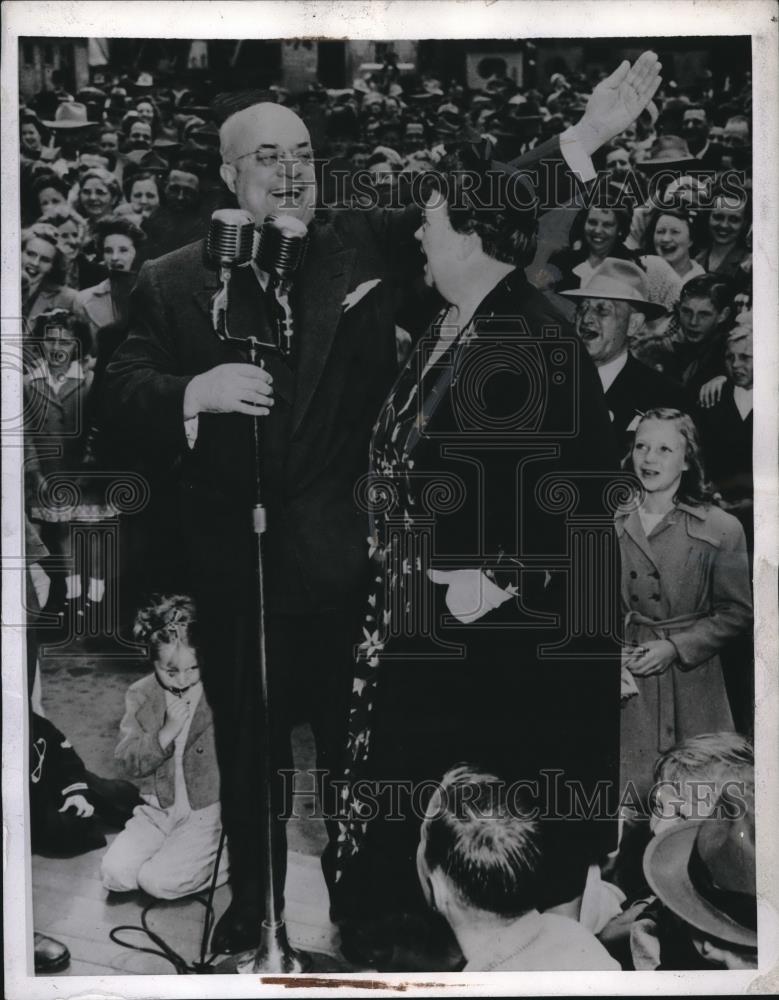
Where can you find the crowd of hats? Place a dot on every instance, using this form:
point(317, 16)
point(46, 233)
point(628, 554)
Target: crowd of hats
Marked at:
point(401, 120)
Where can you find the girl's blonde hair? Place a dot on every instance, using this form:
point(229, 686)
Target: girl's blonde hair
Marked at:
point(694, 487)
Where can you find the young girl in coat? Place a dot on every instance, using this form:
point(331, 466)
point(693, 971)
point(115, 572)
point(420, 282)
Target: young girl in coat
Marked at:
point(169, 847)
point(685, 592)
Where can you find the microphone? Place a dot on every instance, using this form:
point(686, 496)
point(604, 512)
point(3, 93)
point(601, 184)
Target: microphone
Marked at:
point(229, 243)
point(281, 246)
point(230, 240)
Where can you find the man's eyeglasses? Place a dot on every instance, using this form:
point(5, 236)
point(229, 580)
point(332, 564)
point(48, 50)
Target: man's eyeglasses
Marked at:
point(272, 156)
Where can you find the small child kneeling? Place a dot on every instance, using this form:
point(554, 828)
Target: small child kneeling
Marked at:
point(169, 846)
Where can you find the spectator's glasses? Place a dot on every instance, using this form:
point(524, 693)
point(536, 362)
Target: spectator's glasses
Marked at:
point(272, 156)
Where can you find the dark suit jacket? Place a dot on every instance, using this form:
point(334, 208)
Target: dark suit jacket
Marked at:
point(635, 390)
point(314, 441)
point(727, 444)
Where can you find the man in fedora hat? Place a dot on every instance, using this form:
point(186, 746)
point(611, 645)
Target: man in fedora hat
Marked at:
point(704, 873)
point(70, 115)
point(611, 307)
point(71, 127)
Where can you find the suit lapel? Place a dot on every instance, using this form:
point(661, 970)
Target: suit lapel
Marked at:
point(318, 298)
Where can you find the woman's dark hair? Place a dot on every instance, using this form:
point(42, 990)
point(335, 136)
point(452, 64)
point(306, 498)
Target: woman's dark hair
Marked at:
point(28, 117)
point(694, 487)
point(142, 175)
point(66, 319)
point(49, 181)
point(622, 216)
point(58, 272)
point(709, 286)
point(498, 204)
point(692, 218)
point(117, 224)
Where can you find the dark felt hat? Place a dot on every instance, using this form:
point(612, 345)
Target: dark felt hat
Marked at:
point(705, 873)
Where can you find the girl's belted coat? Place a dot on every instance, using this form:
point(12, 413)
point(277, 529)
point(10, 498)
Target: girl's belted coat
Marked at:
point(687, 582)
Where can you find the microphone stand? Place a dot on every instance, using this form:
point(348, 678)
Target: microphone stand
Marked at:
point(274, 953)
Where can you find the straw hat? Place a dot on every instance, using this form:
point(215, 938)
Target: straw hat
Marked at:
point(621, 280)
point(70, 115)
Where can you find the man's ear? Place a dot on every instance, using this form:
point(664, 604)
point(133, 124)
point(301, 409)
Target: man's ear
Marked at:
point(724, 315)
point(635, 323)
point(228, 173)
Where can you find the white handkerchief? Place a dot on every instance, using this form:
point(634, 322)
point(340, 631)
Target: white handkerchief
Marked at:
point(359, 292)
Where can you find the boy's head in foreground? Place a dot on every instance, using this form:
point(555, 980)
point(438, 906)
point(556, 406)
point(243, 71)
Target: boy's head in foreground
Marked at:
point(479, 852)
point(691, 777)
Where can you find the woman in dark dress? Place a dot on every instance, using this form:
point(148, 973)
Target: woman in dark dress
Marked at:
point(494, 434)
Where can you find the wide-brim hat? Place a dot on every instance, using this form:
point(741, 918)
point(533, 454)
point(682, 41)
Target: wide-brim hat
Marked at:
point(71, 115)
point(621, 280)
point(716, 899)
point(669, 152)
point(93, 94)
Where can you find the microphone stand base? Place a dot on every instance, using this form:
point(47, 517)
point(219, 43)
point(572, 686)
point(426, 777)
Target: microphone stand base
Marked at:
point(274, 954)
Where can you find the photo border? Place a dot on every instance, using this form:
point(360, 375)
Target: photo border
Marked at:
point(393, 20)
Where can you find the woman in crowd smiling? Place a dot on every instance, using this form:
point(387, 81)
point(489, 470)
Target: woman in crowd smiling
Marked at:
point(97, 196)
point(597, 233)
point(670, 235)
point(143, 193)
point(43, 273)
point(725, 251)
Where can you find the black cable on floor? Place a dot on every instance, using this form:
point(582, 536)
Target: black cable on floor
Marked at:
point(180, 964)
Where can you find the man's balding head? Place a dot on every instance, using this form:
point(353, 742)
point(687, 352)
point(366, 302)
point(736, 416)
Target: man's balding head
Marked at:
point(267, 162)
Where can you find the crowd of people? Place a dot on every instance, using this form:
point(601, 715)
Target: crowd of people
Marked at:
point(414, 310)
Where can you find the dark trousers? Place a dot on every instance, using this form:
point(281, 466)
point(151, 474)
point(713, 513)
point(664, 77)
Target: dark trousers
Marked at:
point(310, 671)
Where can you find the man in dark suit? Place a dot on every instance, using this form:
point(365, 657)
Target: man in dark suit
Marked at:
point(186, 395)
point(611, 308)
point(726, 427)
